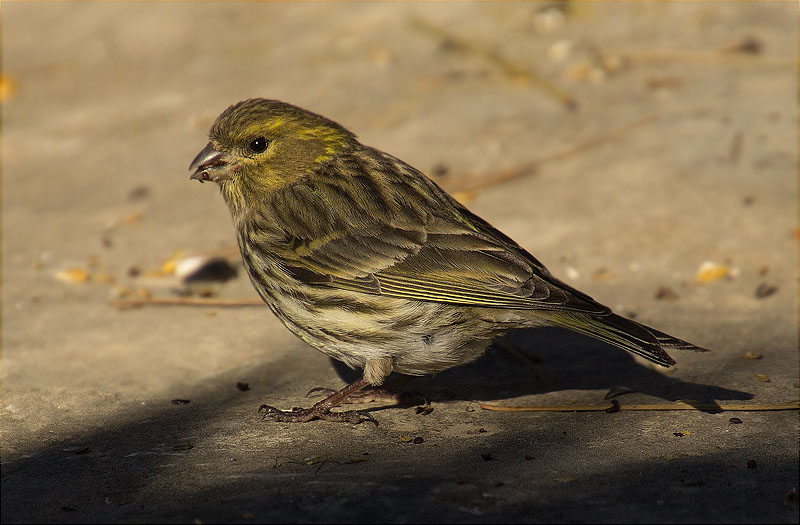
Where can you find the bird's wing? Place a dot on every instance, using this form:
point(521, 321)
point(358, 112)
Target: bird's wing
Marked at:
point(411, 242)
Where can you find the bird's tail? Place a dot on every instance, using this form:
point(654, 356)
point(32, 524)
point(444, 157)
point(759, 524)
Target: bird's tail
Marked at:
point(626, 334)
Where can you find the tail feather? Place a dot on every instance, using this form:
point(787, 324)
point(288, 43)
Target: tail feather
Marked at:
point(626, 334)
point(673, 342)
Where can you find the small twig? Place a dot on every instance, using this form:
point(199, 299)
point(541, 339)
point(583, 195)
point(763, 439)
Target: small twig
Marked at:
point(677, 405)
point(184, 301)
point(513, 173)
point(512, 70)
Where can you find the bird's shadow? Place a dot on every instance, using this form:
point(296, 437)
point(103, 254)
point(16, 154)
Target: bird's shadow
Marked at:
point(543, 360)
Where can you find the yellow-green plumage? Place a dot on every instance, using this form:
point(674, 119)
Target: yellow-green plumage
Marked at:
point(368, 260)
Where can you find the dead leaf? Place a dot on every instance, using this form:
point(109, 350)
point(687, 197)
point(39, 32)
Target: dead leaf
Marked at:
point(72, 275)
point(710, 271)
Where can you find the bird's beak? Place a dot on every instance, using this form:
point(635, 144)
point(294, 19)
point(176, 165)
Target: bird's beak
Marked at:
point(210, 164)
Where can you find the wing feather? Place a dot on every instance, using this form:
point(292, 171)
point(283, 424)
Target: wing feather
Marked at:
point(435, 250)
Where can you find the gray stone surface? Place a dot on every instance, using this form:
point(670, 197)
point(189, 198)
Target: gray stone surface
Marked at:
point(104, 105)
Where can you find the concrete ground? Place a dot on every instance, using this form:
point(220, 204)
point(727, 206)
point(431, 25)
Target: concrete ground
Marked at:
point(648, 138)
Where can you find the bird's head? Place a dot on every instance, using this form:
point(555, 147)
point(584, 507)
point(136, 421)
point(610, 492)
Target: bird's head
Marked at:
point(260, 145)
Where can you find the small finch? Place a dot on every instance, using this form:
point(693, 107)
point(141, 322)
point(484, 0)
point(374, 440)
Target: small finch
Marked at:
point(369, 261)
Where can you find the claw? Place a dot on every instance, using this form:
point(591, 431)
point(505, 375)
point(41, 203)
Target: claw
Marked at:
point(367, 417)
point(268, 411)
point(327, 391)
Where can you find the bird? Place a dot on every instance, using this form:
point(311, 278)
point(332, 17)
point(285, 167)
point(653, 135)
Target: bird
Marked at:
point(369, 261)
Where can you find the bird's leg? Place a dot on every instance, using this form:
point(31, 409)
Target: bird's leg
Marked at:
point(384, 393)
point(322, 409)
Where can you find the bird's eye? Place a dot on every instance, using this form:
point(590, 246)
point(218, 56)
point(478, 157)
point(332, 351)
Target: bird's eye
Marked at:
point(258, 145)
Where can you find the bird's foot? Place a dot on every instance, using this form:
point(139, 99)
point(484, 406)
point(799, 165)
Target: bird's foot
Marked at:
point(303, 415)
point(322, 409)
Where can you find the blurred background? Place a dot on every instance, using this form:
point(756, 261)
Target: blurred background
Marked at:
point(645, 152)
